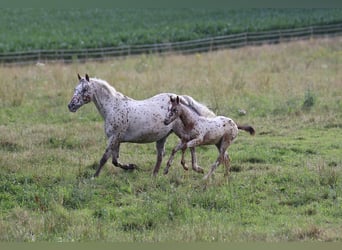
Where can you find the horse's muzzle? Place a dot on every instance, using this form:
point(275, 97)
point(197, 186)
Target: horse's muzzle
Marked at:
point(72, 108)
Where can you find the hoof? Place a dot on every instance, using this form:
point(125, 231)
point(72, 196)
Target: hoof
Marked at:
point(185, 168)
point(199, 170)
point(129, 167)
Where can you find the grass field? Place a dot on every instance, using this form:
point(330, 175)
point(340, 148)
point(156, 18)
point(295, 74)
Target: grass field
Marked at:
point(28, 29)
point(286, 181)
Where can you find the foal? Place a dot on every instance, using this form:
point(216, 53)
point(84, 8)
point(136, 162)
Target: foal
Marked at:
point(198, 130)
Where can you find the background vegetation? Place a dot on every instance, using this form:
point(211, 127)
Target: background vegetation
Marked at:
point(286, 183)
point(39, 29)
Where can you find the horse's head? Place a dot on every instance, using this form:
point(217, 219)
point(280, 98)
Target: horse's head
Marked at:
point(82, 94)
point(173, 111)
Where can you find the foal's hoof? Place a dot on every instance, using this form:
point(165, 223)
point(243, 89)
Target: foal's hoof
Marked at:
point(185, 167)
point(199, 170)
point(166, 171)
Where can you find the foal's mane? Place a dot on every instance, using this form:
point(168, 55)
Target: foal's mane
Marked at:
point(191, 108)
point(196, 107)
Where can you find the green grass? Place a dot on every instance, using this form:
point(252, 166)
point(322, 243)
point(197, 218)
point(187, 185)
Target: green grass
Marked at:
point(39, 29)
point(286, 181)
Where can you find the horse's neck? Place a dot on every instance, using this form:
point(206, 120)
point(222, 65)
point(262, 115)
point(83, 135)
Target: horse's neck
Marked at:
point(104, 98)
point(188, 117)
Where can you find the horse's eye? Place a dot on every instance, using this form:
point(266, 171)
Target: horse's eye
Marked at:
point(174, 110)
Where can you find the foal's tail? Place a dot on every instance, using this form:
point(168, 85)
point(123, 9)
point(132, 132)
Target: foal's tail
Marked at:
point(247, 128)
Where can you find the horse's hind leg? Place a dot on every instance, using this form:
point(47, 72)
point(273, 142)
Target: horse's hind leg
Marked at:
point(223, 157)
point(213, 167)
point(226, 162)
point(160, 145)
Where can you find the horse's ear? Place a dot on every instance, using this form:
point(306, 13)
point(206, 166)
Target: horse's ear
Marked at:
point(177, 99)
point(87, 77)
point(172, 99)
point(79, 77)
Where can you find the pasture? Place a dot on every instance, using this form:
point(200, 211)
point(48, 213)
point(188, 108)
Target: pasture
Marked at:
point(50, 29)
point(285, 184)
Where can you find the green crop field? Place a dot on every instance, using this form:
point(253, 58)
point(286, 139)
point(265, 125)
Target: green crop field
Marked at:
point(39, 29)
point(286, 181)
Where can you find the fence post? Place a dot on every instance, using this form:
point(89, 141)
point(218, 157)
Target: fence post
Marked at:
point(246, 38)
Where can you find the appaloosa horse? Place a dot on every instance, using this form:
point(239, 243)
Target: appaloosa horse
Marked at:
point(198, 130)
point(129, 120)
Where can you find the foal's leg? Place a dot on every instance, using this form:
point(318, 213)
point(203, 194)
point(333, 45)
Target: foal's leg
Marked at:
point(195, 166)
point(179, 146)
point(223, 157)
point(183, 160)
point(160, 145)
point(226, 161)
point(213, 167)
point(225, 143)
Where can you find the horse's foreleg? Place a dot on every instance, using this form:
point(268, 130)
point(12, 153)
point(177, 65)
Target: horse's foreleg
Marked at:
point(105, 156)
point(115, 157)
point(160, 145)
point(195, 166)
point(179, 146)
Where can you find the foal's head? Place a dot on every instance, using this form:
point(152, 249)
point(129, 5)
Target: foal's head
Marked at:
point(82, 94)
point(174, 110)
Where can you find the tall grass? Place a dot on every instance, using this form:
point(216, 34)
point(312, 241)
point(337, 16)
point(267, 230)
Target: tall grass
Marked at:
point(285, 184)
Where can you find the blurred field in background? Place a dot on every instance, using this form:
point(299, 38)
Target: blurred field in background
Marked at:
point(53, 29)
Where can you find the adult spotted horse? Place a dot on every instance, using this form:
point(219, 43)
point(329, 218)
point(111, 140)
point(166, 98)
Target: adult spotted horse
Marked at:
point(129, 120)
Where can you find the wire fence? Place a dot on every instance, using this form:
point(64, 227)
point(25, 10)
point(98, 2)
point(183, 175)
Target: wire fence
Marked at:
point(185, 47)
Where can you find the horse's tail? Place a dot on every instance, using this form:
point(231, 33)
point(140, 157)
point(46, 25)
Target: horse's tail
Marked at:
point(201, 109)
point(247, 128)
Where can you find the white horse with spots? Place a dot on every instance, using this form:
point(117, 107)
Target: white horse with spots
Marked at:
point(129, 120)
point(198, 130)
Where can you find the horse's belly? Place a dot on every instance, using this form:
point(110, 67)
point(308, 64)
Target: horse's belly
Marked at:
point(146, 135)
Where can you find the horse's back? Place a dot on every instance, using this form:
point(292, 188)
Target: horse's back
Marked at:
point(146, 119)
point(219, 125)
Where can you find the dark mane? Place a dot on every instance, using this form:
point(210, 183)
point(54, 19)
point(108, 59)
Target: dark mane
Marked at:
point(192, 109)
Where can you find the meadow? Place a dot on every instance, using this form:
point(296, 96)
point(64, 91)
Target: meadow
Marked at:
point(285, 184)
point(28, 29)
